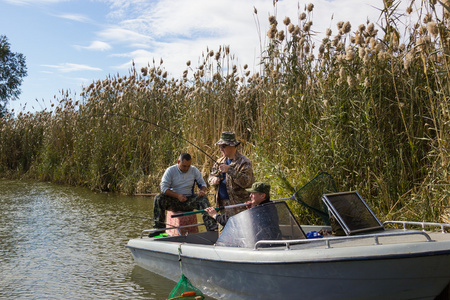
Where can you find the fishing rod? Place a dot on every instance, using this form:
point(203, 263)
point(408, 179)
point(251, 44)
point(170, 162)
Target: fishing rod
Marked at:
point(201, 211)
point(159, 126)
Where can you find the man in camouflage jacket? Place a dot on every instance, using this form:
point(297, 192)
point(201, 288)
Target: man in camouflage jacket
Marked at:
point(231, 175)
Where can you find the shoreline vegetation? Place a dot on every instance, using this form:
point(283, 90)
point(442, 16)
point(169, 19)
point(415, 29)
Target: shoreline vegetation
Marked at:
point(368, 106)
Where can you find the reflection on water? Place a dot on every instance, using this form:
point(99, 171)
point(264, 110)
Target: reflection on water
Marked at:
point(63, 242)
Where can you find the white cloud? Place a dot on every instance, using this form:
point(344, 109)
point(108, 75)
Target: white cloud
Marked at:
point(96, 46)
point(74, 17)
point(124, 36)
point(69, 67)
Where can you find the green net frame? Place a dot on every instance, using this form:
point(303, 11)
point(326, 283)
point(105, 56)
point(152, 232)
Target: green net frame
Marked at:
point(310, 195)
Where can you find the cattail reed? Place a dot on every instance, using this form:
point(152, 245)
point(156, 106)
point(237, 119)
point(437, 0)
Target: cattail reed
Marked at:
point(370, 109)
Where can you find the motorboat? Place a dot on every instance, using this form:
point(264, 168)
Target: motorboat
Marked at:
point(264, 253)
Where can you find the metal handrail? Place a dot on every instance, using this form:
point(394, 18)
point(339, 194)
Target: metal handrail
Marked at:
point(169, 228)
point(327, 241)
point(423, 224)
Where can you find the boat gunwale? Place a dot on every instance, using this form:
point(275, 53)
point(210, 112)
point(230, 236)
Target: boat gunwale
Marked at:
point(270, 251)
point(304, 261)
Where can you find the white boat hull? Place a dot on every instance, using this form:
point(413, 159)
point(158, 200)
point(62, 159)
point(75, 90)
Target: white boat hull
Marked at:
point(348, 269)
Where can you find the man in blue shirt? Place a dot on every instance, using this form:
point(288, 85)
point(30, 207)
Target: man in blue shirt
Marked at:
point(177, 193)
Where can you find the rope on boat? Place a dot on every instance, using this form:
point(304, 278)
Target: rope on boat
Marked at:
point(179, 258)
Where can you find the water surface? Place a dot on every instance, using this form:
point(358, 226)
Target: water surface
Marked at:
point(60, 242)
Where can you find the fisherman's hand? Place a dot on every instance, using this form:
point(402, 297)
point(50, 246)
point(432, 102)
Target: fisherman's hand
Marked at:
point(181, 198)
point(211, 211)
point(224, 168)
point(215, 181)
point(201, 193)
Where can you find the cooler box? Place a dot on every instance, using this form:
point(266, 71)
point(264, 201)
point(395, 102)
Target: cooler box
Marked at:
point(180, 221)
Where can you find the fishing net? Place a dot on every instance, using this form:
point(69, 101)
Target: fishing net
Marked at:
point(185, 290)
point(310, 195)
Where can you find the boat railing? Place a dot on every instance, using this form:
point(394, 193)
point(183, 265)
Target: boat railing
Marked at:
point(147, 231)
point(423, 224)
point(328, 241)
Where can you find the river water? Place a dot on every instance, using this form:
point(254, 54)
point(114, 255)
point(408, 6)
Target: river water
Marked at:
point(60, 242)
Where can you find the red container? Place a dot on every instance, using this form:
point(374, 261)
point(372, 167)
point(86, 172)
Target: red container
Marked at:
point(180, 221)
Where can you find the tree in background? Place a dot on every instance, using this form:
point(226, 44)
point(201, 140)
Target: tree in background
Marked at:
point(12, 69)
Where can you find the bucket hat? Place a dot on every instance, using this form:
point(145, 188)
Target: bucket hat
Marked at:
point(228, 138)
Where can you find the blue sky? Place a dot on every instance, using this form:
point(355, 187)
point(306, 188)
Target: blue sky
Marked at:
point(68, 44)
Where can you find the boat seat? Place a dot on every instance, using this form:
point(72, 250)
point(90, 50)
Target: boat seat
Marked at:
point(180, 221)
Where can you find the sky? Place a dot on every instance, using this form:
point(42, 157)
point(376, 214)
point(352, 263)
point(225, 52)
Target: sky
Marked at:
point(69, 44)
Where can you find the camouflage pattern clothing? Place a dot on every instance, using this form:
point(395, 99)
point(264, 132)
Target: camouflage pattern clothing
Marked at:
point(238, 178)
point(163, 202)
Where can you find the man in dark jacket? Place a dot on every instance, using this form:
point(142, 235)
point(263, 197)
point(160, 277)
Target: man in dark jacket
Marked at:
point(259, 195)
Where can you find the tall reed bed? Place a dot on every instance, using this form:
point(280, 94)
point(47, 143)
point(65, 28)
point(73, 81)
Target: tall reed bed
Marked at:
point(367, 104)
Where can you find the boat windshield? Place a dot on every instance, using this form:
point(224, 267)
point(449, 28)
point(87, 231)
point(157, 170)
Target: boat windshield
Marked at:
point(271, 221)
